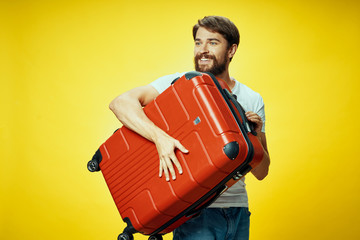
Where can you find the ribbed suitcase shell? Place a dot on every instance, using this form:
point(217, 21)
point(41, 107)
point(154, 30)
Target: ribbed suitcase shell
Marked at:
point(194, 111)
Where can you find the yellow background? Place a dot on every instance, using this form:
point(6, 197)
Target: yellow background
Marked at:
point(62, 62)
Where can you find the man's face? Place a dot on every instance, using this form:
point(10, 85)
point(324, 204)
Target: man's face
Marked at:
point(210, 51)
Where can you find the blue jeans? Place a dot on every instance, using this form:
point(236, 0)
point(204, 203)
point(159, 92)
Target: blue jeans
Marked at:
point(216, 224)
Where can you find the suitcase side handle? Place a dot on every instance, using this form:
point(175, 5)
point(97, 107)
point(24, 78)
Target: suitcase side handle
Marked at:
point(247, 125)
point(226, 92)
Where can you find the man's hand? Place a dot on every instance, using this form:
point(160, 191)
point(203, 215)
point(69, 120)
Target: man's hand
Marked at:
point(128, 108)
point(253, 117)
point(166, 147)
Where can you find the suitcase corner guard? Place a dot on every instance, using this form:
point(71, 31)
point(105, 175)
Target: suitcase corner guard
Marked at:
point(231, 150)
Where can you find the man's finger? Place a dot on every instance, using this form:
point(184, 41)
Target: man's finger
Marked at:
point(160, 168)
point(181, 147)
point(166, 171)
point(171, 168)
point(177, 164)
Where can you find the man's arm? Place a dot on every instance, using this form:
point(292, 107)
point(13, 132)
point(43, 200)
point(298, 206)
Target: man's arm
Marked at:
point(261, 170)
point(128, 108)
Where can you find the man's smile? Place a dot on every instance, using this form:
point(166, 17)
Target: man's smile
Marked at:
point(205, 59)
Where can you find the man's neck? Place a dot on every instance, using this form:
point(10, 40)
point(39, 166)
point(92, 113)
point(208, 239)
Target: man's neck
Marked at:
point(226, 77)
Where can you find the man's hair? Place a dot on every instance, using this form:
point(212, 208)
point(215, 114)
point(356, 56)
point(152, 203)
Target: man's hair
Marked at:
point(220, 25)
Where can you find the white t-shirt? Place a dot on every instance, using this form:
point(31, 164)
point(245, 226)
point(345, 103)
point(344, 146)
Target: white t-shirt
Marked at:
point(236, 196)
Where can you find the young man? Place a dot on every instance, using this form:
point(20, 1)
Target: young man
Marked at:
point(216, 41)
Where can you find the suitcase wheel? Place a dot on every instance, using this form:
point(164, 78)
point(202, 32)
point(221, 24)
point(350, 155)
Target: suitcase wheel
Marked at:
point(156, 237)
point(125, 236)
point(93, 166)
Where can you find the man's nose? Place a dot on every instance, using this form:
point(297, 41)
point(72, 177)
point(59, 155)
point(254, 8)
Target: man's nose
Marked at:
point(204, 48)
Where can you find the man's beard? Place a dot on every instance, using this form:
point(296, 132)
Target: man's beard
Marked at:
point(216, 69)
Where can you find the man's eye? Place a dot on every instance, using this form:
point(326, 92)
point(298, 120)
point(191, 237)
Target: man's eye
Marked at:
point(213, 43)
point(197, 43)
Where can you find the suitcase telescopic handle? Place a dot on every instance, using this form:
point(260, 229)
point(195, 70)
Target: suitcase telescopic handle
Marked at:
point(249, 126)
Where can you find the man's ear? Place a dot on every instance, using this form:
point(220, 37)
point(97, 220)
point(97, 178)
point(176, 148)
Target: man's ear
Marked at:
point(232, 50)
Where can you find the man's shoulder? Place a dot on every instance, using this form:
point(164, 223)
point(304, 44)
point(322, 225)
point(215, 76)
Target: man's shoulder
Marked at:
point(242, 89)
point(248, 98)
point(170, 76)
point(164, 82)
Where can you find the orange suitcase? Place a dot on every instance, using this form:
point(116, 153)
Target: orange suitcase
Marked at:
point(199, 111)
